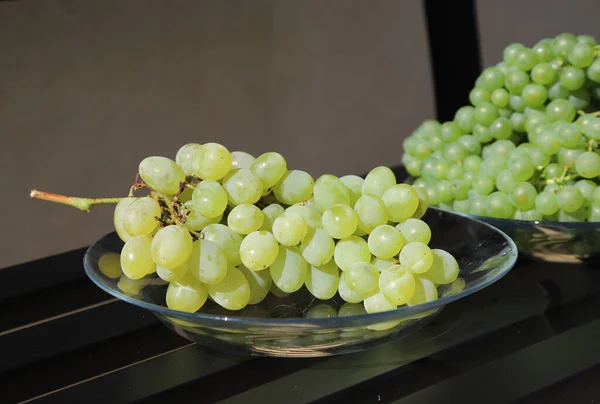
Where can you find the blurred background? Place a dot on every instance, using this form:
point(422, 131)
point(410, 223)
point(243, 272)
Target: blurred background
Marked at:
point(90, 87)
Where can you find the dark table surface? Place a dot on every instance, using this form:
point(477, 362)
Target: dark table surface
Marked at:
point(532, 337)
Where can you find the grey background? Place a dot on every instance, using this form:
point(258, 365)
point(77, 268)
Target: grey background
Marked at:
point(90, 87)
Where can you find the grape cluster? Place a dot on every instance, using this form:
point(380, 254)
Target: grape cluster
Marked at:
point(527, 146)
point(232, 228)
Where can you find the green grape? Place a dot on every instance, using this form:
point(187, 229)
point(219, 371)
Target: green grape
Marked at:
point(549, 142)
point(339, 221)
point(579, 215)
point(572, 78)
point(505, 182)
point(543, 74)
point(472, 163)
point(465, 118)
point(588, 164)
point(511, 52)
point(434, 196)
point(259, 250)
point(515, 81)
point(209, 199)
point(483, 185)
point(378, 303)
point(499, 205)
point(492, 166)
point(240, 159)
point(522, 168)
point(415, 230)
point(272, 212)
point(596, 197)
point(569, 199)
point(385, 241)
point(269, 167)
point(518, 121)
point(409, 144)
point(207, 262)
point(161, 174)
point(535, 95)
point(259, 283)
point(290, 228)
point(242, 186)
point(383, 265)
point(422, 150)
point(362, 277)
point(444, 269)
point(277, 292)
point(416, 257)
point(586, 39)
point(187, 295)
point(289, 270)
point(184, 157)
point(450, 132)
point(593, 72)
point(425, 291)
point(245, 219)
point(443, 191)
point(592, 129)
point(553, 171)
point(412, 165)
point(477, 207)
point(379, 180)
point(460, 189)
point(310, 215)
point(322, 282)
point(567, 157)
point(294, 187)
point(479, 95)
point(503, 147)
point(523, 195)
point(436, 142)
point(329, 190)
point(587, 189)
point(501, 128)
point(558, 92)
point(118, 214)
point(517, 103)
point(440, 168)
point(317, 247)
point(570, 134)
point(491, 78)
point(543, 51)
point(212, 161)
point(350, 250)
point(423, 203)
point(455, 172)
point(560, 110)
point(500, 98)
point(171, 246)
point(397, 284)
point(346, 293)
point(534, 119)
point(580, 99)
point(531, 215)
point(401, 202)
point(136, 257)
point(562, 44)
point(195, 221)
point(172, 275)
point(525, 59)
point(430, 127)
point(110, 265)
point(141, 215)
point(233, 292)
point(354, 183)
point(594, 213)
point(226, 239)
point(455, 152)
point(581, 55)
point(471, 144)
point(485, 114)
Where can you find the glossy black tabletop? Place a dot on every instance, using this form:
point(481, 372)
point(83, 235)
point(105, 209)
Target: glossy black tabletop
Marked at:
point(533, 337)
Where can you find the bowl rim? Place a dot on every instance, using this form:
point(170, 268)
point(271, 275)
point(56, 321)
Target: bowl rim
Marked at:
point(233, 321)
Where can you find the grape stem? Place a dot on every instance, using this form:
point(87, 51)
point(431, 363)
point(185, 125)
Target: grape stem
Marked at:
point(83, 204)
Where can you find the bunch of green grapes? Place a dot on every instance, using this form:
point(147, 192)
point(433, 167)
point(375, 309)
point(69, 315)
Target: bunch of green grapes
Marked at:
point(233, 228)
point(527, 147)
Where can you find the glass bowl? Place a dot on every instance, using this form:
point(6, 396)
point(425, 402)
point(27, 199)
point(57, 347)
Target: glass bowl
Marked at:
point(299, 325)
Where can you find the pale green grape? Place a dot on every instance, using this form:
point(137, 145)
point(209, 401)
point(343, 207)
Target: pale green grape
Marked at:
point(465, 118)
point(543, 73)
point(455, 152)
point(226, 239)
point(450, 132)
point(523, 195)
point(207, 262)
point(351, 309)
point(161, 174)
point(269, 167)
point(371, 212)
point(242, 187)
point(172, 275)
point(588, 164)
point(362, 277)
point(425, 292)
point(310, 214)
point(339, 221)
point(416, 257)
point(289, 270)
point(572, 78)
point(587, 189)
point(444, 268)
point(317, 247)
point(321, 311)
point(378, 303)
point(415, 230)
point(483, 185)
point(594, 213)
point(141, 216)
point(195, 221)
point(500, 98)
point(545, 203)
point(511, 51)
point(383, 264)
point(580, 215)
point(233, 292)
point(479, 95)
point(596, 198)
point(350, 250)
point(568, 157)
point(397, 284)
point(240, 159)
point(184, 157)
point(212, 161)
point(401, 202)
point(110, 265)
point(569, 199)
point(322, 282)
point(378, 181)
point(259, 282)
point(272, 212)
point(492, 166)
point(136, 257)
point(171, 246)
point(275, 291)
point(423, 202)
point(472, 163)
point(187, 295)
point(329, 190)
point(209, 199)
point(346, 293)
point(245, 219)
point(499, 205)
point(289, 229)
point(259, 250)
point(354, 183)
point(560, 109)
point(455, 172)
point(118, 214)
point(385, 241)
point(294, 187)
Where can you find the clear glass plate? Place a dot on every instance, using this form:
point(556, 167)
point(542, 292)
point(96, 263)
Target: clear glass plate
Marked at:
point(298, 325)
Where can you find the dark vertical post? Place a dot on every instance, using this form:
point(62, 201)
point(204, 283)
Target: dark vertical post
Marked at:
point(454, 52)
